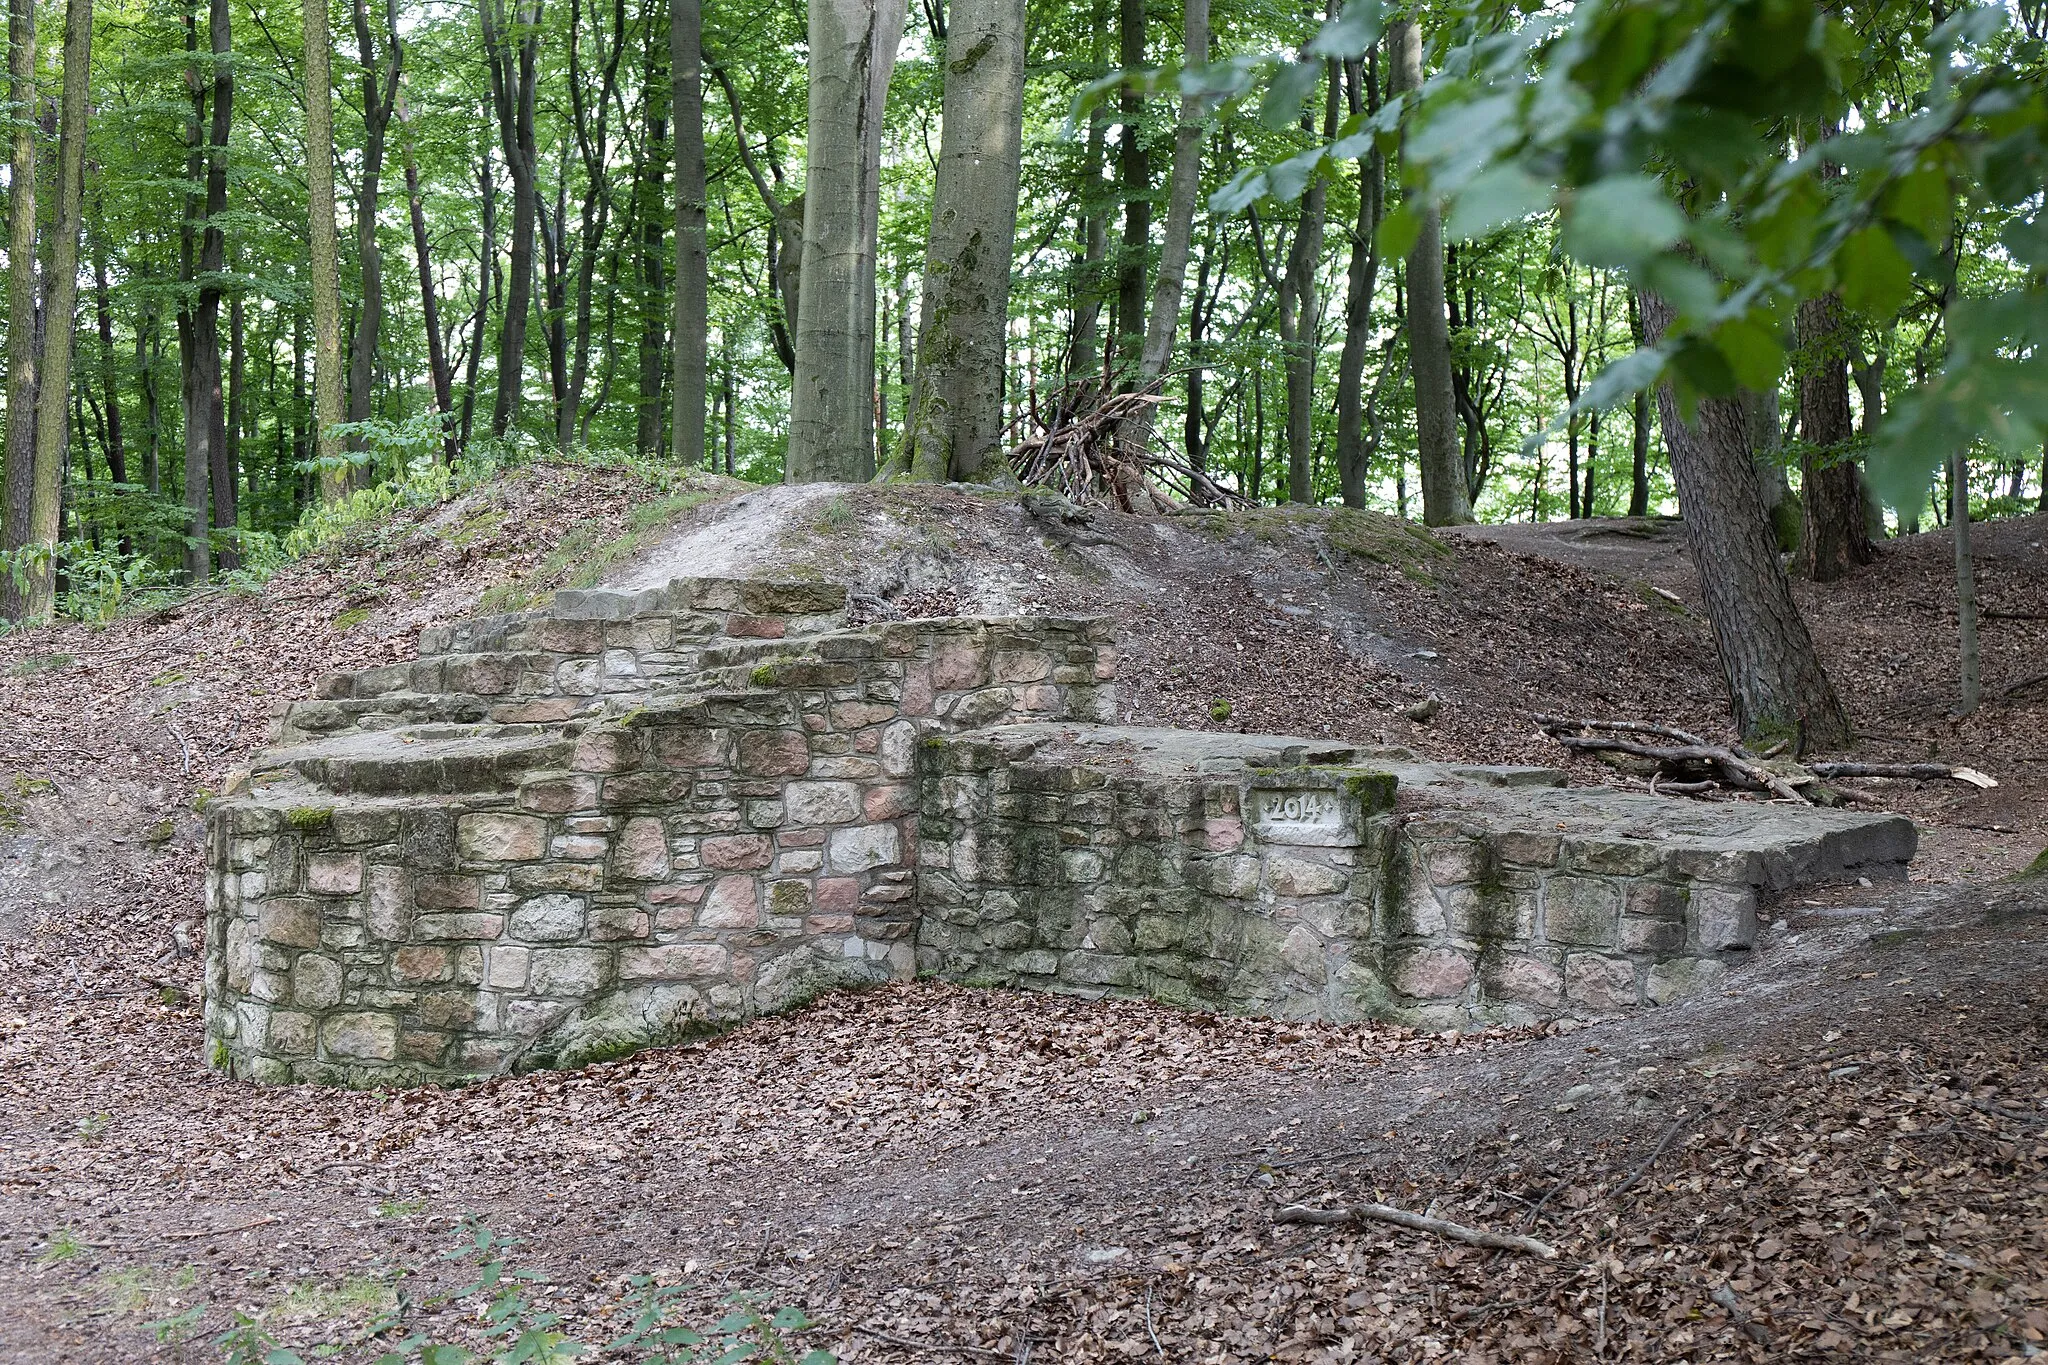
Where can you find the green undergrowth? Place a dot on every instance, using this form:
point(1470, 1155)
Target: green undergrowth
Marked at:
point(505, 1298)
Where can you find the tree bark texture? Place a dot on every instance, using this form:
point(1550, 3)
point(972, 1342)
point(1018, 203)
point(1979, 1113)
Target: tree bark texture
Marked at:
point(23, 355)
point(1134, 172)
point(60, 309)
point(324, 243)
point(438, 370)
point(651, 187)
point(1639, 411)
point(209, 397)
point(380, 89)
point(1776, 685)
point(1429, 338)
point(1299, 310)
point(954, 423)
point(831, 411)
point(1836, 538)
point(1969, 659)
point(692, 330)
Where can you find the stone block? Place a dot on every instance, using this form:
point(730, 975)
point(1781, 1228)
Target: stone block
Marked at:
point(501, 838)
point(1235, 877)
point(389, 907)
point(1723, 918)
point(774, 753)
point(420, 965)
point(289, 921)
point(442, 892)
point(641, 854)
point(889, 802)
point(733, 903)
point(1460, 861)
point(837, 893)
point(1290, 876)
point(506, 966)
point(1615, 857)
point(1644, 935)
point(549, 919)
point(447, 1009)
point(532, 877)
point(568, 971)
point(1656, 900)
point(673, 962)
point(316, 982)
point(731, 851)
point(335, 874)
point(1681, 977)
point(1580, 910)
point(360, 1036)
point(1600, 983)
point(1521, 849)
point(558, 795)
point(822, 803)
point(426, 839)
point(605, 750)
point(1095, 969)
point(1432, 974)
point(1524, 980)
point(612, 921)
point(459, 926)
point(863, 847)
point(985, 706)
point(292, 1034)
point(1222, 834)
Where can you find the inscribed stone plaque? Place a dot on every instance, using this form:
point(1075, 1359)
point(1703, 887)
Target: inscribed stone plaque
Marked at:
point(1324, 817)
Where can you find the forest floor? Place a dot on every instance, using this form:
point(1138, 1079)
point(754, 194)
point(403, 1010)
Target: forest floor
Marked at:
point(1844, 1157)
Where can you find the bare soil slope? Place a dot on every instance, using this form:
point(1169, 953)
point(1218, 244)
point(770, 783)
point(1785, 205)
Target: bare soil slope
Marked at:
point(1852, 1145)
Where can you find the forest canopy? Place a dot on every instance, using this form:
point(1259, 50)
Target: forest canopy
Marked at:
point(1445, 260)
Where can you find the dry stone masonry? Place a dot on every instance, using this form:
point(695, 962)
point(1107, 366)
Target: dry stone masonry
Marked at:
point(561, 835)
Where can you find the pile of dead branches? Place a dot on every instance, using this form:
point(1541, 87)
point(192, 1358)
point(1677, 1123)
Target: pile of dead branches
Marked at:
point(1679, 763)
point(1094, 446)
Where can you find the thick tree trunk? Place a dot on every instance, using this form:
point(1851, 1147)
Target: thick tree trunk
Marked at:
point(1836, 538)
point(1360, 279)
point(1776, 685)
point(512, 47)
point(1299, 307)
point(192, 377)
point(692, 331)
point(23, 354)
point(207, 389)
point(590, 117)
point(831, 412)
point(325, 248)
point(1444, 500)
point(1134, 172)
point(60, 310)
point(651, 182)
point(954, 423)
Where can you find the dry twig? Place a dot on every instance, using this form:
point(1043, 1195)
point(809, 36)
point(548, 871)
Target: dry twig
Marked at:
point(1386, 1213)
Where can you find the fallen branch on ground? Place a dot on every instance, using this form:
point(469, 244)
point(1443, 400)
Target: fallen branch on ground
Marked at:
point(1917, 772)
point(1418, 1222)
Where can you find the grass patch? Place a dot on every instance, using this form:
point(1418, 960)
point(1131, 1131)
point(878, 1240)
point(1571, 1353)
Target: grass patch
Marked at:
point(62, 1246)
point(137, 1290)
point(1372, 536)
point(351, 618)
point(40, 663)
point(582, 559)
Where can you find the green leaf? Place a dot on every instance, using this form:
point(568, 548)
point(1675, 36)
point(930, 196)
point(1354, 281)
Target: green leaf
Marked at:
point(2027, 239)
point(1246, 188)
point(1754, 353)
point(1687, 287)
point(1286, 181)
point(1399, 229)
point(1287, 92)
point(819, 1357)
point(1921, 201)
point(1496, 197)
point(1352, 33)
point(1875, 278)
point(445, 1355)
point(1637, 370)
point(1621, 221)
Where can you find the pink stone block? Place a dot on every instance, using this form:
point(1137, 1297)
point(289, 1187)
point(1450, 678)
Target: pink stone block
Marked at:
point(838, 893)
point(1433, 974)
point(737, 851)
point(734, 903)
point(1222, 835)
point(886, 803)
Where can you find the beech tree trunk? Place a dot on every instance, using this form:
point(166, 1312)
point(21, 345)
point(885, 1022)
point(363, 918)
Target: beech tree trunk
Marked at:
point(653, 174)
point(1299, 307)
point(692, 331)
point(1776, 685)
point(325, 250)
point(380, 89)
point(1639, 411)
point(23, 354)
point(953, 424)
point(1444, 502)
point(1360, 279)
point(831, 410)
point(430, 300)
point(1969, 660)
point(59, 311)
point(513, 58)
point(1836, 538)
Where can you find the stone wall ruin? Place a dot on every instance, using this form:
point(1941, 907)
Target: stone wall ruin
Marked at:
point(564, 834)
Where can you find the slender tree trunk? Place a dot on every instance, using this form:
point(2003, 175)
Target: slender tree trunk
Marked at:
point(1639, 446)
point(1360, 278)
point(60, 310)
point(512, 47)
point(954, 422)
point(1299, 307)
point(1776, 684)
point(1836, 538)
point(590, 117)
point(325, 249)
point(1134, 171)
point(1968, 657)
point(379, 90)
point(831, 416)
point(237, 367)
point(110, 386)
point(193, 425)
point(1084, 346)
point(691, 334)
point(1429, 339)
point(486, 290)
point(430, 300)
point(23, 354)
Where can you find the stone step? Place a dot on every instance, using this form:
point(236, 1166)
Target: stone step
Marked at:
point(423, 760)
